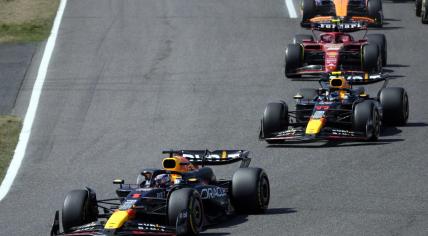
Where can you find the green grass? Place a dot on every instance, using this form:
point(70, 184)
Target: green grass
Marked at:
point(10, 127)
point(26, 20)
point(25, 32)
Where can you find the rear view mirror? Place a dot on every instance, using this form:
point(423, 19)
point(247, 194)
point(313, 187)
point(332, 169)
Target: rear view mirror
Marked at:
point(118, 181)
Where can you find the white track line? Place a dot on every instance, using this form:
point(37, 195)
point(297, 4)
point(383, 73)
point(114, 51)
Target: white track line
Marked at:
point(291, 9)
point(24, 136)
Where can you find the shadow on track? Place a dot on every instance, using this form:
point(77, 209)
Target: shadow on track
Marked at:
point(239, 219)
point(279, 211)
point(396, 65)
point(416, 124)
point(329, 144)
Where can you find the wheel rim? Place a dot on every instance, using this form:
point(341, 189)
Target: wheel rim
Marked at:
point(405, 107)
point(376, 128)
point(265, 192)
point(197, 213)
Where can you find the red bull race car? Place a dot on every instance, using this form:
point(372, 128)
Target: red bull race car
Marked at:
point(180, 199)
point(336, 111)
point(337, 49)
point(367, 10)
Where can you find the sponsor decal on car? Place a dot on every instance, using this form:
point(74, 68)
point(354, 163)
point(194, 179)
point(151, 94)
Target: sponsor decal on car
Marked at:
point(212, 192)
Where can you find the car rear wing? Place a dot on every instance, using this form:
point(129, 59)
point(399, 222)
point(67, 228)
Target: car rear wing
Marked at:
point(217, 157)
point(339, 24)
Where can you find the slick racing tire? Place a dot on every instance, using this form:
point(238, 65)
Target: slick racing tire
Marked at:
point(275, 118)
point(308, 10)
point(380, 41)
point(395, 105)
point(250, 190)
point(371, 60)
point(366, 119)
point(186, 199)
point(293, 60)
point(79, 208)
point(418, 7)
point(424, 12)
point(298, 38)
point(374, 8)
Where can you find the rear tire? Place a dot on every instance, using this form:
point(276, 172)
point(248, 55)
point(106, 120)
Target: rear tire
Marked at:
point(371, 58)
point(374, 8)
point(395, 105)
point(424, 12)
point(366, 119)
point(293, 60)
point(380, 41)
point(418, 7)
point(275, 118)
point(309, 11)
point(78, 209)
point(190, 200)
point(250, 190)
point(298, 38)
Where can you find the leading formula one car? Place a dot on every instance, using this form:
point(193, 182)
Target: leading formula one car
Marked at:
point(336, 111)
point(179, 199)
point(422, 10)
point(368, 10)
point(336, 49)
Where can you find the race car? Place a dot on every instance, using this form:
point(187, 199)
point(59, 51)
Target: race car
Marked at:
point(422, 10)
point(369, 10)
point(180, 199)
point(336, 49)
point(336, 111)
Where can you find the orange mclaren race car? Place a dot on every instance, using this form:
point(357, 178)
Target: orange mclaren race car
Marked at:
point(179, 199)
point(367, 10)
point(336, 111)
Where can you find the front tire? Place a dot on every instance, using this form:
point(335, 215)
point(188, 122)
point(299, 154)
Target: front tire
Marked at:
point(79, 208)
point(293, 60)
point(275, 118)
point(186, 199)
point(250, 190)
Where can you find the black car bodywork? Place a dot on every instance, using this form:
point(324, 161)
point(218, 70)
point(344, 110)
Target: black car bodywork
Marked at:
point(322, 114)
point(146, 208)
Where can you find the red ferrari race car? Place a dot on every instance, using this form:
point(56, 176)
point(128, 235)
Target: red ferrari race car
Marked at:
point(336, 49)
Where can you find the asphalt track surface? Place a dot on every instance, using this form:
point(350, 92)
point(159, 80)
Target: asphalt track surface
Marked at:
point(130, 78)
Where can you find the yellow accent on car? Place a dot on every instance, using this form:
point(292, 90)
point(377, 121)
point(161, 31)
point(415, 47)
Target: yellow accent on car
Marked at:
point(314, 126)
point(341, 7)
point(223, 155)
point(117, 220)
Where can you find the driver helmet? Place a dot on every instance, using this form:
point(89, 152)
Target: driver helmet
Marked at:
point(344, 38)
point(327, 38)
point(162, 180)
